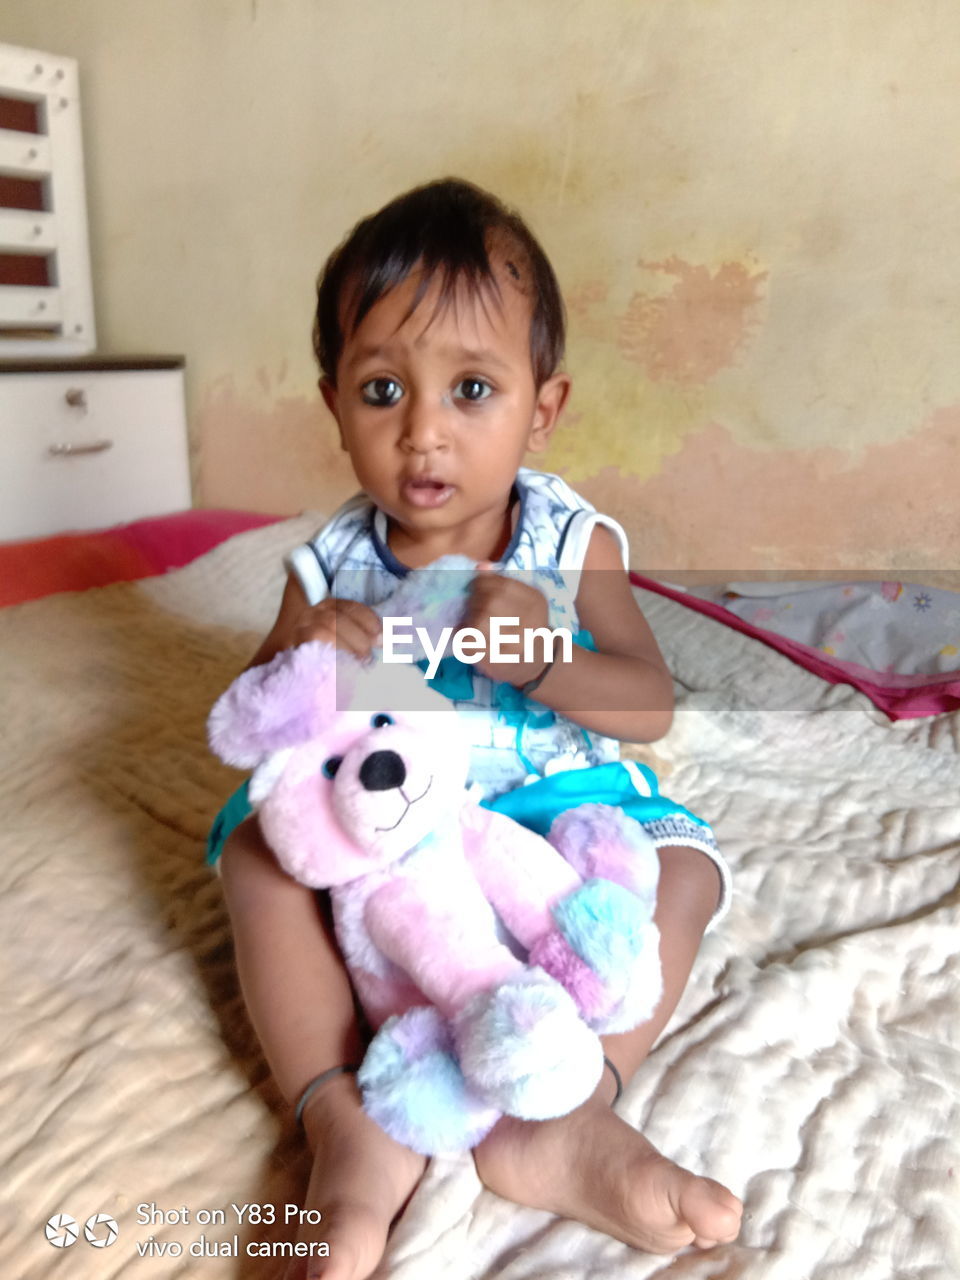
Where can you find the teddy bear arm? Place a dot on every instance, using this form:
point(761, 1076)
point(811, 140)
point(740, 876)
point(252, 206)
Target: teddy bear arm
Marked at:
point(520, 873)
point(449, 949)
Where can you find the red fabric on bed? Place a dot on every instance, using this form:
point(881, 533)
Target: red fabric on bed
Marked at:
point(76, 561)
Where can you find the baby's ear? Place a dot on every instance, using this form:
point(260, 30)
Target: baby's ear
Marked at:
point(282, 704)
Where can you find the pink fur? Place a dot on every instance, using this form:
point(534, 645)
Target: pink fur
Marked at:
point(282, 704)
point(555, 955)
point(412, 921)
point(518, 871)
point(601, 841)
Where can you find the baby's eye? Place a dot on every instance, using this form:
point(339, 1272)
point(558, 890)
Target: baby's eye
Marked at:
point(381, 391)
point(473, 389)
point(380, 720)
point(331, 766)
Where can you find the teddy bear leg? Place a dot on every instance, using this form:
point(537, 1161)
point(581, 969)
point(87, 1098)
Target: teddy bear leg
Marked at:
point(605, 951)
point(524, 1047)
point(605, 948)
point(414, 1089)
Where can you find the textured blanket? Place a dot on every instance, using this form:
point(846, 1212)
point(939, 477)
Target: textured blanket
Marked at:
point(812, 1065)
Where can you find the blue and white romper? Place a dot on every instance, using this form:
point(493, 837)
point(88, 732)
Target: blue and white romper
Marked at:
point(526, 760)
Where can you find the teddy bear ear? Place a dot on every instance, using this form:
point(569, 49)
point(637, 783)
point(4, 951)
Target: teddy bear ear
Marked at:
point(282, 704)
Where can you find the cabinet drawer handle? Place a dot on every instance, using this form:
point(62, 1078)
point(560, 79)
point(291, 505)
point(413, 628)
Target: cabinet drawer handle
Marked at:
point(66, 450)
point(76, 398)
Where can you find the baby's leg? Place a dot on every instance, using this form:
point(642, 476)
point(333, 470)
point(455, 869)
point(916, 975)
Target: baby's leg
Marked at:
point(591, 1165)
point(301, 1005)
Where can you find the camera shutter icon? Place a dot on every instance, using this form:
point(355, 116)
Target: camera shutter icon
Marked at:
point(107, 1234)
point(62, 1230)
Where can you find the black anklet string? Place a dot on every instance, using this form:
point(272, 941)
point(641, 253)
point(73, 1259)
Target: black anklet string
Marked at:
point(316, 1082)
point(350, 1069)
point(617, 1080)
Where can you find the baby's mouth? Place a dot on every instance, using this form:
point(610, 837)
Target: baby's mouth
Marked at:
point(426, 491)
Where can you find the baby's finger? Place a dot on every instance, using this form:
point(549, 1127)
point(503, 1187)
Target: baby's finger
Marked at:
point(484, 583)
point(476, 617)
point(315, 629)
point(364, 617)
point(340, 630)
point(349, 634)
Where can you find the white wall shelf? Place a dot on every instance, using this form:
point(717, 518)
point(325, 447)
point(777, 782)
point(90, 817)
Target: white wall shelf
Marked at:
point(46, 296)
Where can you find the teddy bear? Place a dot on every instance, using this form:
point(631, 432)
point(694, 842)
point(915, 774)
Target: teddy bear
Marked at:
point(488, 959)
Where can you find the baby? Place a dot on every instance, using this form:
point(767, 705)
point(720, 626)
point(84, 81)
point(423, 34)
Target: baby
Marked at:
point(439, 334)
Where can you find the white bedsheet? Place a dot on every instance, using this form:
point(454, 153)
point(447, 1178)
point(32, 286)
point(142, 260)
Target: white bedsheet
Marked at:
point(812, 1065)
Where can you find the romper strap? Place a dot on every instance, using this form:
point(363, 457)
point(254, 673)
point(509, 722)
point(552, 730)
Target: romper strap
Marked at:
point(576, 538)
point(305, 563)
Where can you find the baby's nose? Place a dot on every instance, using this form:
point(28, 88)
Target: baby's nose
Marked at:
point(382, 770)
point(424, 426)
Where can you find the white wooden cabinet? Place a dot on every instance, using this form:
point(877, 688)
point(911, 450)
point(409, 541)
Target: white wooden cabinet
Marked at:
point(90, 443)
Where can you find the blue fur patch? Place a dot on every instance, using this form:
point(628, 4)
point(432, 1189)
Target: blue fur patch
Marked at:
point(425, 1104)
point(604, 925)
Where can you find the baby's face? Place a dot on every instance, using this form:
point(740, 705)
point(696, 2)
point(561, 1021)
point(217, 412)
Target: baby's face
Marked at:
point(438, 409)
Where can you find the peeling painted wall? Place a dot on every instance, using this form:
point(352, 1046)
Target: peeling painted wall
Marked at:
point(754, 210)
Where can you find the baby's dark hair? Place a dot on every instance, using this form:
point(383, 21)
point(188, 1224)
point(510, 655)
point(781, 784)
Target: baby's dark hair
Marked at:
point(449, 227)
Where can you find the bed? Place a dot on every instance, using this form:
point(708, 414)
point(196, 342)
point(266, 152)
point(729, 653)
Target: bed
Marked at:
point(812, 1064)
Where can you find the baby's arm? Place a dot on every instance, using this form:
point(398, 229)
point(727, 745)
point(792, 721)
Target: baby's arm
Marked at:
point(348, 624)
point(624, 689)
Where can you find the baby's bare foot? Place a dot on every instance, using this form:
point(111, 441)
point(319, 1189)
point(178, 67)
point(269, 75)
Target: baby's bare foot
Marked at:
point(360, 1181)
point(595, 1168)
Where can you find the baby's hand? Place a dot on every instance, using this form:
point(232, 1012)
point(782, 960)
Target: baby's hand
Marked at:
point(494, 596)
point(347, 624)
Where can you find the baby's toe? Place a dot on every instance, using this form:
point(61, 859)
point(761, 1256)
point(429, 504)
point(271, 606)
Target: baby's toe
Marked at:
point(711, 1211)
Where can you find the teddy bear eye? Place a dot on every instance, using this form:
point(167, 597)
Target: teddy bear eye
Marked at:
point(380, 719)
point(331, 766)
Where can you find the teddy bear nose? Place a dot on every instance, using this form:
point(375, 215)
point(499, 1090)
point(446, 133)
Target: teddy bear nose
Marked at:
point(382, 770)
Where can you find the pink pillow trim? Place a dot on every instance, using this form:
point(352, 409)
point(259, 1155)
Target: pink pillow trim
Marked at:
point(899, 697)
point(170, 542)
